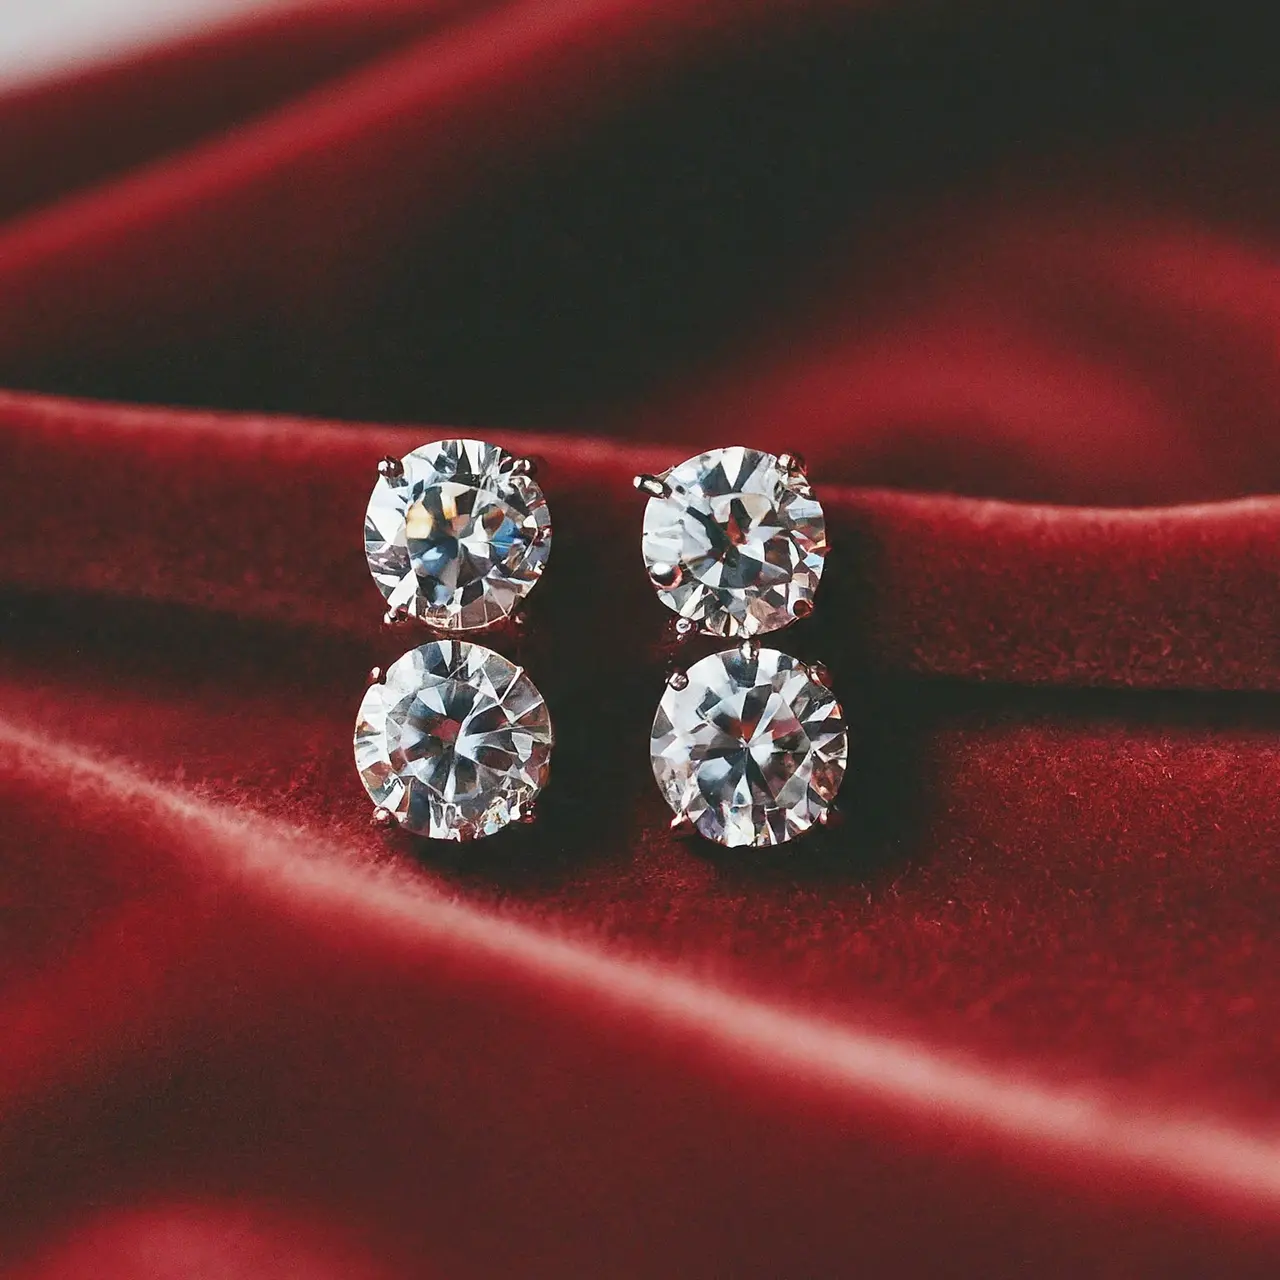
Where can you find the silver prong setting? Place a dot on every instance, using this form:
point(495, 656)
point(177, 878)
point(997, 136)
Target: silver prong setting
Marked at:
point(749, 649)
point(793, 464)
point(685, 627)
point(525, 467)
point(390, 468)
point(677, 680)
point(396, 617)
point(376, 676)
point(681, 826)
point(651, 485)
point(383, 819)
point(831, 818)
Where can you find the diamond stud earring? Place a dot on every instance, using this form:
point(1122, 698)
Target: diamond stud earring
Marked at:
point(457, 533)
point(452, 742)
point(734, 541)
point(749, 747)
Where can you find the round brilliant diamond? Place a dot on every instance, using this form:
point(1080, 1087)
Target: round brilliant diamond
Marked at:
point(750, 746)
point(737, 543)
point(456, 534)
point(455, 741)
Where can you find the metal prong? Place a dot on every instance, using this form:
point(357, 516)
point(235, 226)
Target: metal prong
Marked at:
point(819, 674)
point(524, 467)
point(831, 818)
point(390, 468)
point(528, 814)
point(749, 649)
point(677, 680)
point(802, 608)
point(396, 617)
point(682, 826)
point(376, 676)
point(665, 576)
point(466, 832)
point(685, 627)
point(383, 818)
point(793, 464)
point(651, 485)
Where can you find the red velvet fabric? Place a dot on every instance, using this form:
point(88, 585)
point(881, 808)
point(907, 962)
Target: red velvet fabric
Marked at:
point(1007, 275)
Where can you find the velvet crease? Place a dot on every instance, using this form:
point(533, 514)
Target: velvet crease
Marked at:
point(1007, 276)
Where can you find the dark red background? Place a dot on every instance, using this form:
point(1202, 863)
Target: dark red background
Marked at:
point(1020, 1015)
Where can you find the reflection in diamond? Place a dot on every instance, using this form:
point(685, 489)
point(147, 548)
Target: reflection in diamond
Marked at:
point(752, 749)
point(746, 537)
point(458, 538)
point(455, 743)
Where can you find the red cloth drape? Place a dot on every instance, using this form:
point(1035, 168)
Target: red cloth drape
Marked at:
point(1007, 276)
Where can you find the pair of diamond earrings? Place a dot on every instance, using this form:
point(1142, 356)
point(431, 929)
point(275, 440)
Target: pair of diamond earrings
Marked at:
point(453, 741)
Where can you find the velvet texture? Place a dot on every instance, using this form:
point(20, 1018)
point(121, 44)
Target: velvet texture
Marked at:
point(1006, 275)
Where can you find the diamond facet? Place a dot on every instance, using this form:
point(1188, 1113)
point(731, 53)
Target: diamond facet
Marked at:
point(455, 743)
point(737, 544)
point(457, 535)
point(752, 749)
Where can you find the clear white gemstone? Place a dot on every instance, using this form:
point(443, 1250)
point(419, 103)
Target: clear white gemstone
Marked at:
point(745, 537)
point(456, 741)
point(752, 749)
point(458, 538)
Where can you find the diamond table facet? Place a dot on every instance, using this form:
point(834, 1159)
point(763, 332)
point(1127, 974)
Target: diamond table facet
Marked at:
point(455, 743)
point(457, 534)
point(737, 543)
point(751, 748)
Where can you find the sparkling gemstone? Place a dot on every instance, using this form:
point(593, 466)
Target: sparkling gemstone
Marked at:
point(737, 545)
point(752, 749)
point(458, 537)
point(455, 742)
